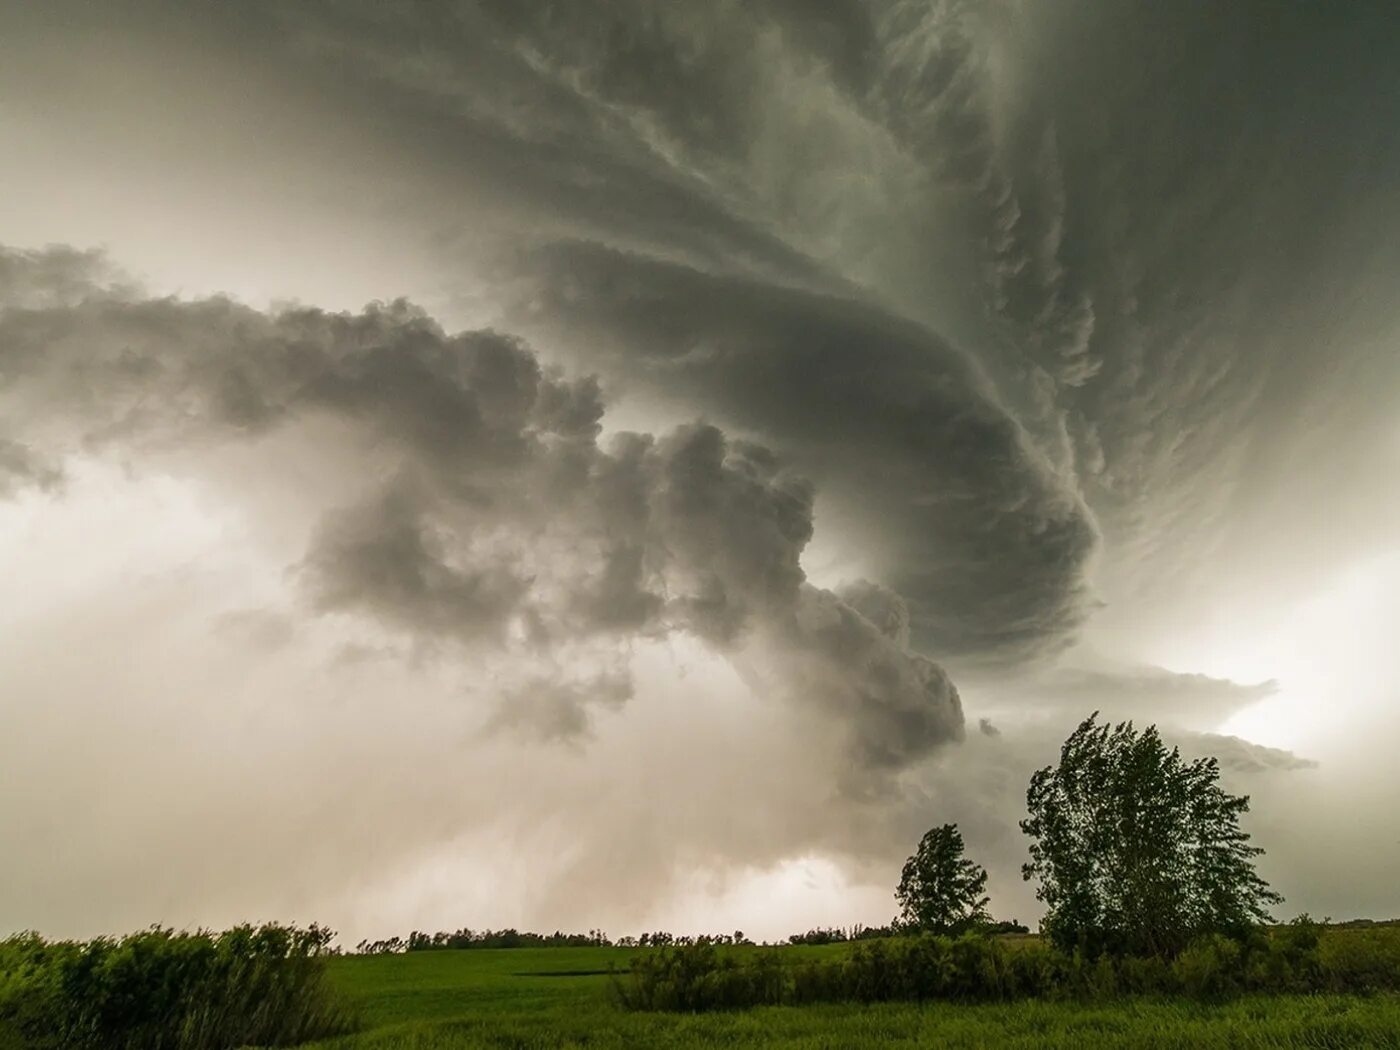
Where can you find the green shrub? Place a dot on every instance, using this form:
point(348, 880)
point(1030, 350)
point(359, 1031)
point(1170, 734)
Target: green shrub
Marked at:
point(1297, 958)
point(819, 982)
point(697, 977)
point(162, 990)
point(1037, 970)
point(1287, 960)
point(928, 968)
point(1209, 967)
point(1360, 961)
point(871, 972)
point(1151, 975)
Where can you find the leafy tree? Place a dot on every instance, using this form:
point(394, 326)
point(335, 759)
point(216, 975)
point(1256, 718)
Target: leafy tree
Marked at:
point(1138, 851)
point(940, 890)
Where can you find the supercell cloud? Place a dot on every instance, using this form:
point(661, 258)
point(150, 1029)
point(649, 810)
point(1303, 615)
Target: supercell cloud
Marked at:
point(750, 397)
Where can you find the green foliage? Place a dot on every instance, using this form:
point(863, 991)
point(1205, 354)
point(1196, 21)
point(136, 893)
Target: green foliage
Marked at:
point(162, 990)
point(559, 998)
point(840, 935)
point(1360, 961)
point(940, 890)
point(1137, 851)
point(458, 940)
point(1209, 967)
point(977, 968)
point(696, 976)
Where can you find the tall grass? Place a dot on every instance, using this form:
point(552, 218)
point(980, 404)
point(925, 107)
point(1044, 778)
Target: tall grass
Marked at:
point(163, 990)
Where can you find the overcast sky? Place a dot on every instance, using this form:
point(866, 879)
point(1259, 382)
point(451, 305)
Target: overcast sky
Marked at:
point(639, 465)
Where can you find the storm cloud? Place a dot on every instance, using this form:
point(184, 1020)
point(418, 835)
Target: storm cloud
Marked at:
point(962, 517)
point(478, 508)
point(737, 379)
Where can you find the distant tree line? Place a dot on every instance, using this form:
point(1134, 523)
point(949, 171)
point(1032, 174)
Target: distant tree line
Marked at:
point(1361, 924)
point(418, 941)
point(661, 938)
point(844, 935)
point(512, 938)
point(841, 935)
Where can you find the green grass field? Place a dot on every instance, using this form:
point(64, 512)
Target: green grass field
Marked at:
point(558, 997)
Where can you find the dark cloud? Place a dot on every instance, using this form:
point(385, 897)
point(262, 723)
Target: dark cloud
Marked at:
point(559, 125)
point(20, 467)
point(1241, 756)
point(1227, 206)
point(962, 517)
point(899, 705)
point(55, 276)
point(550, 118)
point(1147, 322)
point(386, 558)
point(881, 606)
point(484, 511)
point(555, 709)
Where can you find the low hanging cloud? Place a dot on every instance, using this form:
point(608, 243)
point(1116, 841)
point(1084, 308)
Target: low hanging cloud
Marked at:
point(986, 544)
point(1244, 756)
point(734, 215)
point(477, 511)
point(20, 467)
point(1145, 693)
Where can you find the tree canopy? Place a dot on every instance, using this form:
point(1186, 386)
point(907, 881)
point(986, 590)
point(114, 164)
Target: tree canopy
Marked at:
point(940, 890)
point(1137, 850)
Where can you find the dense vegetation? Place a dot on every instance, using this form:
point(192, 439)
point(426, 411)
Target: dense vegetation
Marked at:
point(559, 998)
point(974, 968)
point(1137, 851)
point(161, 990)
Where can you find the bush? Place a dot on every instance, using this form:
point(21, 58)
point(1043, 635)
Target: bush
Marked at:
point(161, 990)
point(1038, 971)
point(695, 977)
point(1286, 961)
point(975, 968)
point(1209, 967)
point(1148, 975)
point(1360, 961)
point(818, 982)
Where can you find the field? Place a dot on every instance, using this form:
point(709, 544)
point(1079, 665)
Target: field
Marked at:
point(558, 997)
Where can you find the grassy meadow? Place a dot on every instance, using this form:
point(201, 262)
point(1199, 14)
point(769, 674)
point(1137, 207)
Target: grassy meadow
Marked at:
point(559, 997)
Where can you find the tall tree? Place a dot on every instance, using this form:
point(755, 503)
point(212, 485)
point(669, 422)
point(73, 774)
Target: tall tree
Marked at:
point(940, 890)
point(1137, 850)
